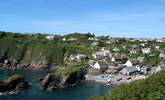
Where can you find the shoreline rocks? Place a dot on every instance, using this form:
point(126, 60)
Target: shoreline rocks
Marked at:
point(34, 66)
point(24, 67)
point(58, 80)
point(15, 84)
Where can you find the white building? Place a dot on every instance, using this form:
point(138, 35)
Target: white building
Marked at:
point(119, 59)
point(113, 59)
point(146, 50)
point(63, 39)
point(100, 65)
point(159, 40)
point(157, 47)
point(93, 39)
point(76, 57)
point(50, 37)
point(133, 51)
point(72, 39)
point(115, 49)
point(128, 63)
point(102, 53)
point(93, 44)
point(143, 44)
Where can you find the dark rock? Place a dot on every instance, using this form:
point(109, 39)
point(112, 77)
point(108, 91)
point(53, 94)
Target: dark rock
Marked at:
point(74, 78)
point(59, 80)
point(50, 82)
point(14, 85)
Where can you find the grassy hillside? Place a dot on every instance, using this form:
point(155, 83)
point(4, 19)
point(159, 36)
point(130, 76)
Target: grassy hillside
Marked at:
point(153, 88)
point(36, 50)
point(30, 51)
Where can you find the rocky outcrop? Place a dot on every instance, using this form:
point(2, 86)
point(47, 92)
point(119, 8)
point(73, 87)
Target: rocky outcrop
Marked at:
point(50, 82)
point(74, 78)
point(6, 64)
point(14, 85)
point(17, 53)
point(31, 53)
point(58, 80)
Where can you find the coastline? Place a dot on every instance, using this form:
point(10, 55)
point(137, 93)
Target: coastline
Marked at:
point(115, 79)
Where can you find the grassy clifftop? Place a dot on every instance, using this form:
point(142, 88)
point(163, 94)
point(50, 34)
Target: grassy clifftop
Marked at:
point(36, 50)
point(30, 51)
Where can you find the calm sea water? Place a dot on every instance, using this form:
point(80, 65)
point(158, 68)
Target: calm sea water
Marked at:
point(80, 92)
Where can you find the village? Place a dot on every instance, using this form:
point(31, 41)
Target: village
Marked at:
point(119, 69)
point(120, 60)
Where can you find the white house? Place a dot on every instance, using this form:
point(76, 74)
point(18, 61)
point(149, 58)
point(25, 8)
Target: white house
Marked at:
point(50, 37)
point(93, 44)
point(93, 39)
point(63, 39)
point(157, 47)
point(72, 39)
point(146, 50)
point(133, 51)
point(143, 44)
point(76, 57)
point(100, 65)
point(159, 40)
point(158, 69)
point(102, 53)
point(128, 63)
point(113, 59)
point(115, 49)
point(119, 59)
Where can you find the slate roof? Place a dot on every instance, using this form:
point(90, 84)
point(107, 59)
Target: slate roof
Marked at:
point(131, 69)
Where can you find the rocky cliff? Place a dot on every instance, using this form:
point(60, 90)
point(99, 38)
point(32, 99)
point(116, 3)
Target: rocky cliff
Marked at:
point(60, 79)
point(30, 54)
point(14, 85)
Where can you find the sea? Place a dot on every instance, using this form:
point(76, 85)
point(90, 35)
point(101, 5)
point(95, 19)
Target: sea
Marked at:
point(81, 91)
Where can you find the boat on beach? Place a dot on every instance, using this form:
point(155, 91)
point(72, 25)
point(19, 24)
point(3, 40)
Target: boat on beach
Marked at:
point(108, 82)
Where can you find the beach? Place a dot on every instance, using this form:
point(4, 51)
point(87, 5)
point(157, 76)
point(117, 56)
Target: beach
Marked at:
point(114, 79)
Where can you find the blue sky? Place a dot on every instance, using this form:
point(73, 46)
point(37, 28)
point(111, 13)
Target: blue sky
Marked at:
point(124, 18)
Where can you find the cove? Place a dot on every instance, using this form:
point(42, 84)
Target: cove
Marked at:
point(82, 91)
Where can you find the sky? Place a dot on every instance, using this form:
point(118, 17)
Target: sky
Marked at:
point(119, 18)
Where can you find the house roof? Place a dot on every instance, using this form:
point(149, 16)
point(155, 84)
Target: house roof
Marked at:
point(140, 58)
point(102, 63)
point(162, 54)
point(130, 69)
point(121, 59)
point(112, 63)
point(162, 49)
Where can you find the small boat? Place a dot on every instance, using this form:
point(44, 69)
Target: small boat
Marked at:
point(108, 82)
